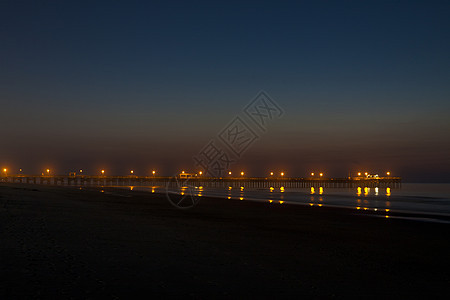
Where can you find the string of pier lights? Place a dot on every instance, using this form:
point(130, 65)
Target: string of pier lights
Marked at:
point(200, 173)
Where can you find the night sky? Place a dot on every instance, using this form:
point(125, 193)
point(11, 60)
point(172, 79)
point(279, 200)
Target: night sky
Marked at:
point(121, 85)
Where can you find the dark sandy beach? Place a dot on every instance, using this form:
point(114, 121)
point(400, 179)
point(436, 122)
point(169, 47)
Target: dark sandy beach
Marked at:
point(68, 243)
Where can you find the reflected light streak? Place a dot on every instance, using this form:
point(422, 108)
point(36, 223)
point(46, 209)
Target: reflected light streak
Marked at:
point(366, 191)
point(312, 190)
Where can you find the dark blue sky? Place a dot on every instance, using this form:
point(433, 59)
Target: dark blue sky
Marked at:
point(141, 85)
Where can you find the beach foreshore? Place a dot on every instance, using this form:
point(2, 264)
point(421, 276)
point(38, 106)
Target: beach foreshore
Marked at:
point(66, 242)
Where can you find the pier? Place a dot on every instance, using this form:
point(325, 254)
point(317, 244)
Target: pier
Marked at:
point(210, 182)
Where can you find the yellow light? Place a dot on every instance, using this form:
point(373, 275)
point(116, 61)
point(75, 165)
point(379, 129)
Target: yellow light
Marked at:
point(131, 188)
point(81, 171)
point(282, 189)
point(387, 209)
point(242, 173)
point(312, 174)
point(200, 188)
point(271, 173)
point(229, 173)
point(320, 204)
point(358, 207)
point(387, 216)
point(271, 189)
point(200, 172)
point(270, 201)
point(153, 190)
point(281, 202)
point(388, 173)
point(103, 171)
point(312, 190)
point(311, 204)
point(229, 197)
point(321, 190)
point(321, 174)
point(131, 171)
point(241, 198)
point(282, 173)
point(182, 172)
point(153, 172)
point(358, 191)
point(229, 188)
point(359, 173)
point(388, 191)
point(366, 173)
point(4, 170)
point(242, 188)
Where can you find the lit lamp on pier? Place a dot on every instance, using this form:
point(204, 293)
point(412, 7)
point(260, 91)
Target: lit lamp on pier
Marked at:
point(359, 173)
point(200, 173)
point(81, 171)
point(5, 171)
point(321, 174)
point(229, 173)
point(242, 173)
point(48, 171)
point(271, 173)
point(282, 174)
point(388, 173)
point(131, 172)
point(103, 172)
point(153, 172)
point(312, 174)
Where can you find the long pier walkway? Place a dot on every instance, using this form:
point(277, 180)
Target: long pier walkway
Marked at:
point(247, 182)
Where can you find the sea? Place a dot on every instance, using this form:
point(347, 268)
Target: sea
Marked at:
point(427, 201)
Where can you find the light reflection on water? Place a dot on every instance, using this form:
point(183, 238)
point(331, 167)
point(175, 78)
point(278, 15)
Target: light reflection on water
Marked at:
point(425, 198)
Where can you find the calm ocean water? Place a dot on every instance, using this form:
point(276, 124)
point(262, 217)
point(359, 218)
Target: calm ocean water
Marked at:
point(417, 198)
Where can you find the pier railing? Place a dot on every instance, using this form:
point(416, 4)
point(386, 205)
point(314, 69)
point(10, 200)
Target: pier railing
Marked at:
point(224, 182)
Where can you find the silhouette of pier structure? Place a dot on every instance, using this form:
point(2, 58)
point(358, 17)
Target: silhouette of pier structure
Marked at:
point(225, 182)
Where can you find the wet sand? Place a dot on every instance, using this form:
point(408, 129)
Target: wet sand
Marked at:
point(68, 243)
